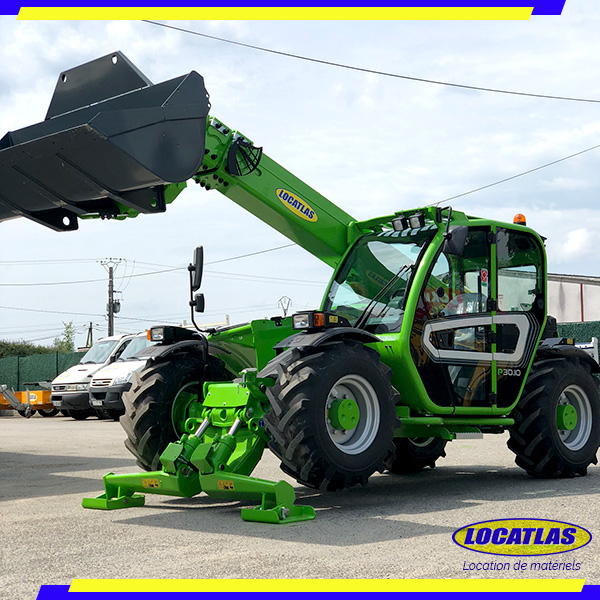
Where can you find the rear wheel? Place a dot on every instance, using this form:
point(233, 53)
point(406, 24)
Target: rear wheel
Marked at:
point(415, 454)
point(156, 404)
point(332, 414)
point(557, 420)
point(48, 412)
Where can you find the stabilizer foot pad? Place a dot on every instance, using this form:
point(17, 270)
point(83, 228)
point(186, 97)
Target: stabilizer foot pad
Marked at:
point(280, 515)
point(104, 503)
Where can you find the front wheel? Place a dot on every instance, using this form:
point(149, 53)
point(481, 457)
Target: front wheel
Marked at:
point(557, 420)
point(156, 405)
point(332, 414)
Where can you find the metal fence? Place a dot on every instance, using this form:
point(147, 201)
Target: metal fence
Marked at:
point(580, 332)
point(16, 371)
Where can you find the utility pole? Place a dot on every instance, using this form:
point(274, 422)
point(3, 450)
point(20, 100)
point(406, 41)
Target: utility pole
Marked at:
point(113, 306)
point(89, 342)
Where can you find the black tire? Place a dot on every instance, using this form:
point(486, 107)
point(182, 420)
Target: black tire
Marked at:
point(301, 435)
point(64, 413)
point(100, 413)
point(81, 415)
point(540, 447)
point(415, 454)
point(48, 412)
point(148, 404)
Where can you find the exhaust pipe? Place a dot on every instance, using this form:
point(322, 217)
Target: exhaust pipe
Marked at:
point(109, 145)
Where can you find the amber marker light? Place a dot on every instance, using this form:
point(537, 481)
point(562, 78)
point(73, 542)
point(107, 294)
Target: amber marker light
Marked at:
point(319, 320)
point(520, 219)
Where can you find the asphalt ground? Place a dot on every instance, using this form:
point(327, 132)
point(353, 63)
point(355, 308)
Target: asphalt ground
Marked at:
point(396, 527)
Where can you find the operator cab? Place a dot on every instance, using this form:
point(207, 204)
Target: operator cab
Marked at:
point(467, 314)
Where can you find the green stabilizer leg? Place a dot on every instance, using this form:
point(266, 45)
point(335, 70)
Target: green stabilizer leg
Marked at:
point(276, 498)
point(120, 490)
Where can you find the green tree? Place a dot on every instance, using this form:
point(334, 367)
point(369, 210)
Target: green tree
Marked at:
point(22, 348)
point(66, 342)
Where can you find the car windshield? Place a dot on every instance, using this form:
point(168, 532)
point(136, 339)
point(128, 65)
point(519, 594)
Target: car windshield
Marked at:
point(378, 268)
point(99, 352)
point(136, 345)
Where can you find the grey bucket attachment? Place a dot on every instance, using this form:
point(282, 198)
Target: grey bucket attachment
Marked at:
point(110, 143)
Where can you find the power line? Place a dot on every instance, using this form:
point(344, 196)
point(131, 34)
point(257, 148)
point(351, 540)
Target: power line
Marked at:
point(51, 261)
point(84, 280)
point(489, 185)
point(54, 312)
point(169, 270)
point(214, 262)
point(364, 70)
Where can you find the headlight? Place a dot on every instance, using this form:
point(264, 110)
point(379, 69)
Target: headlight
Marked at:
point(70, 387)
point(123, 379)
point(82, 387)
point(302, 321)
point(156, 334)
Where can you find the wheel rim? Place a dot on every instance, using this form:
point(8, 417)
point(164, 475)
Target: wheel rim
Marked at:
point(185, 396)
point(576, 438)
point(359, 397)
point(421, 442)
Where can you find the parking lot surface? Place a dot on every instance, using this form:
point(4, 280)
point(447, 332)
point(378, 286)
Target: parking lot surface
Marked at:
point(396, 527)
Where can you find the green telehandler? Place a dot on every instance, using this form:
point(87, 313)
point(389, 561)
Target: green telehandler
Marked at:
point(433, 326)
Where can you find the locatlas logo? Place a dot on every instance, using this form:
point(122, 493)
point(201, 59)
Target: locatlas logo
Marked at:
point(297, 205)
point(522, 537)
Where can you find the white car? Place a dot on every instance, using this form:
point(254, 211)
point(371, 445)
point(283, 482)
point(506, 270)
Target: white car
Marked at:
point(109, 383)
point(70, 390)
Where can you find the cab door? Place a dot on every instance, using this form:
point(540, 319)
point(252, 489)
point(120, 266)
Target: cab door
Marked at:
point(521, 308)
point(453, 336)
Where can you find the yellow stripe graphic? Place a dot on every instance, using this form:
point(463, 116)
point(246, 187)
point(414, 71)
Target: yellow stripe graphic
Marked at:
point(327, 585)
point(278, 14)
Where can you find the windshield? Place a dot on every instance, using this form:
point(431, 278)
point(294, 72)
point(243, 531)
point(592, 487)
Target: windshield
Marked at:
point(99, 352)
point(136, 345)
point(376, 262)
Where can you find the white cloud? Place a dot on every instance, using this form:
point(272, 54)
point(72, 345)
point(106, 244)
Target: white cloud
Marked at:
point(565, 183)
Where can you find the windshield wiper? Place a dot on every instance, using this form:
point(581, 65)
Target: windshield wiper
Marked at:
point(366, 313)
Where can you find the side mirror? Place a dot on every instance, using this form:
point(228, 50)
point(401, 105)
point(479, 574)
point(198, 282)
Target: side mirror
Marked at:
point(455, 239)
point(196, 268)
point(198, 303)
